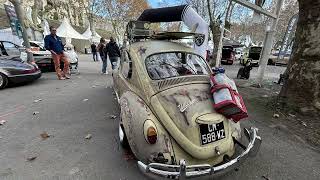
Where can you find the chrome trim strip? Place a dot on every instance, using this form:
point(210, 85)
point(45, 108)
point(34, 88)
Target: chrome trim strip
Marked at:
point(19, 75)
point(181, 171)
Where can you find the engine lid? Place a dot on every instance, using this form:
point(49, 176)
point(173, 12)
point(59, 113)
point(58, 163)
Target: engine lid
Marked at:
point(182, 109)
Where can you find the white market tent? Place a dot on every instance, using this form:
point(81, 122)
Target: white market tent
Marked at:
point(88, 34)
point(66, 31)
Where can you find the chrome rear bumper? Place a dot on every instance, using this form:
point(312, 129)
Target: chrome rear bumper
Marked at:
point(183, 171)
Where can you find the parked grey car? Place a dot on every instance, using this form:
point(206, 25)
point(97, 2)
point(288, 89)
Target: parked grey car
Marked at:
point(14, 70)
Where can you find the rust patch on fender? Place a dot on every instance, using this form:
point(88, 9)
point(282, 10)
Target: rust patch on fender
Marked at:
point(142, 50)
point(166, 141)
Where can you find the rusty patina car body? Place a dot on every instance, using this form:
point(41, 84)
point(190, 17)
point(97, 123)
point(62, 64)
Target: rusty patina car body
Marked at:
point(175, 107)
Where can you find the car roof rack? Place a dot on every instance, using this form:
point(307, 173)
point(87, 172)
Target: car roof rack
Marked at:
point(141, 30)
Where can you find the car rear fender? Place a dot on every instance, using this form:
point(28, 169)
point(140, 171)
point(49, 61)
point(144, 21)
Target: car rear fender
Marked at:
point(136, 116)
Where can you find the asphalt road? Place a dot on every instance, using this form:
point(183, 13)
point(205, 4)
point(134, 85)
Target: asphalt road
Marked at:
point(70, 110)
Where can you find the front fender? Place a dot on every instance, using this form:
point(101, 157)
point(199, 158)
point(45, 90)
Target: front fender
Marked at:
point(134, 113)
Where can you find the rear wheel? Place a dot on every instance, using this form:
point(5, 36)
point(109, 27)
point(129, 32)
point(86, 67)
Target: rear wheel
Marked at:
point(3, 81)
point(123, 138)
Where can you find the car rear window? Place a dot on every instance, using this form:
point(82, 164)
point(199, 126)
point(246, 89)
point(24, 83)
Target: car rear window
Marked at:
point(175, 64)
point(226, 52)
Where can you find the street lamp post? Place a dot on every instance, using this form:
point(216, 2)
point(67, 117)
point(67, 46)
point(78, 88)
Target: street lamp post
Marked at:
point(268, 42)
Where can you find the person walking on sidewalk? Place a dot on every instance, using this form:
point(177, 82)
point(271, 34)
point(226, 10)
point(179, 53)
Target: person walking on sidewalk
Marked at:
point(94, 51)
point(54, 44)
point(100, 48)
point(112, 50)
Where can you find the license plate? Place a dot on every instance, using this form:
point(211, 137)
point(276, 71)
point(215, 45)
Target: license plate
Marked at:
point(211, 133)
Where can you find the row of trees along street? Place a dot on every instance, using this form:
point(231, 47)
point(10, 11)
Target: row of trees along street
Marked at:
point(302, 82)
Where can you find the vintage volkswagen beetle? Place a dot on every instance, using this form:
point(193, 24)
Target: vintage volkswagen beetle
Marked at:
point(167, 117)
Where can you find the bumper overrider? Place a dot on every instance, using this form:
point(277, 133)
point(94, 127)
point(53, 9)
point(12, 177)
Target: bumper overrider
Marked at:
point(183, 171)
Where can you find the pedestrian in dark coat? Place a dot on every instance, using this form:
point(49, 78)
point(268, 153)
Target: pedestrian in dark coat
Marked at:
point(100, 49)
point(94, 52)
point(112, 50)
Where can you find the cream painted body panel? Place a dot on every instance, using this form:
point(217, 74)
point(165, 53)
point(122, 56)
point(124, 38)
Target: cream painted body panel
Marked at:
point(140, 100)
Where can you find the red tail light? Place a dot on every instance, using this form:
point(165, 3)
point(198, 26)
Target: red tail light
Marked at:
point(29, 71)
point(152, 135)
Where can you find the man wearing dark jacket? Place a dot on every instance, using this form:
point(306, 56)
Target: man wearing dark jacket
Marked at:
point(54, 44)
point(112, 50)
point(94, 51)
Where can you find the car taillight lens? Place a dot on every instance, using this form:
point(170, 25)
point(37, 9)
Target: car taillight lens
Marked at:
point(152, 135)
point(29, 71)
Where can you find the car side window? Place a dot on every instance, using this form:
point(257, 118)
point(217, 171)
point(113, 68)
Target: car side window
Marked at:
point(126, 67)
point(8, 45)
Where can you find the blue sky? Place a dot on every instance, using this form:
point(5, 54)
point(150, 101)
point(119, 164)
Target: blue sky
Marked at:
point(157, 3)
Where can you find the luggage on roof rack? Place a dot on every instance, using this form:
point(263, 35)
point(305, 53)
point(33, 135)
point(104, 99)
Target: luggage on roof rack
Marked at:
point(138, 30)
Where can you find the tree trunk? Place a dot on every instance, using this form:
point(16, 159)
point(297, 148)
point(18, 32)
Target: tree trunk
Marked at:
point(302, 81)
point(215, 30)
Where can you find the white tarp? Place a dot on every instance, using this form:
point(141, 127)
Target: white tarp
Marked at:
point(88, 34)
point(193, 20)
point(66, 30)
point(6, 35)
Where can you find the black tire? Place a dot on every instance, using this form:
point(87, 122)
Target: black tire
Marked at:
point(240, 72)
point(123, 140)
point(3, 81)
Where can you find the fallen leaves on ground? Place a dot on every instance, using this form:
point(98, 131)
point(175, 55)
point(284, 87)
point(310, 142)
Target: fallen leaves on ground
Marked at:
point(276, 115)
point(304, 123)
point(291, 115)
point(44, 135)
point(89, 136)
point(2, 122)
point(37, 100)
point(35, 112)
point(31, 158)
